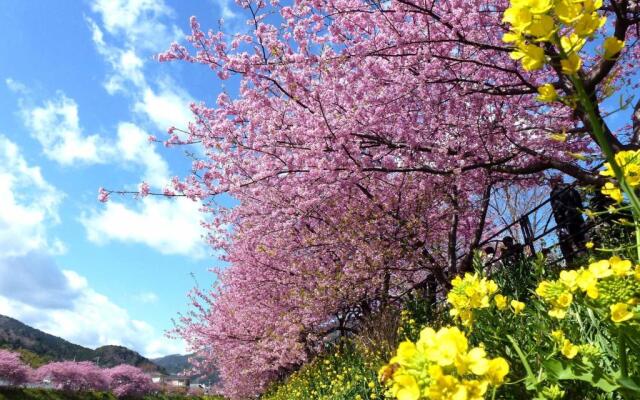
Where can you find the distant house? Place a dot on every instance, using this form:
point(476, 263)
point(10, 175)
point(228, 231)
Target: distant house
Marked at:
point(171, 380)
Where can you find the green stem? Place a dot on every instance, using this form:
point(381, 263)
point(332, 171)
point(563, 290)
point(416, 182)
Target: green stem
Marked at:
point(523, 359)
point(622, 354)
point(607, 149)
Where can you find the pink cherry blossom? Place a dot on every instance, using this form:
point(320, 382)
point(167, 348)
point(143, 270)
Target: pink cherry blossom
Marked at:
point(362, 148)
point(73, 376)
point(126, 380)
point(12, 370)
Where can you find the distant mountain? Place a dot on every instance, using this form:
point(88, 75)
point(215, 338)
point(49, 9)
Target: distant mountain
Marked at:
point(174, 363)
point(114, 355)
point(15, 335)
point(177, 363)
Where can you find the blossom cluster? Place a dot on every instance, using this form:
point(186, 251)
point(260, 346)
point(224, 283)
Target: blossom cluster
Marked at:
point(570, 350)
point(629, 162)
point(610, 283)
point(469, 293)
point(440, 365)
point(565, 23)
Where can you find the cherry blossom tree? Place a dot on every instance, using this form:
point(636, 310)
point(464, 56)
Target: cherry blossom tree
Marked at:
point(126, 380)
point(12, 370)
point(363, 147)
point(73, 376)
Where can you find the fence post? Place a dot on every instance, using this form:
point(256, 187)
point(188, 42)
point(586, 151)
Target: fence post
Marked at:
point(527, 233)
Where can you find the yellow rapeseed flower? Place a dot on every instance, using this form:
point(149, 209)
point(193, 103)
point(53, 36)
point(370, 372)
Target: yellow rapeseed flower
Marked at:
point(538, 6)
point(531, 56)
point(547, 93)
point(517, 306)
point(572, 43)
point(440, 366)
point(619, 266)
point(571, 64)
point(587, 281)
point(564, 300)
point(558, 336)
point(612, 46)
point(591, 5)
point(578, 156)
point(587, 24)
point(558, 137)
point(589, 245)
point(600, 269)
point(408, 388)
point(501, 301)
point(568, 349)
point(629, 162)
point(542, 27)
point(498, 369)
point(475, 361)
point(620, 312)
point(568, 11)
point(611, 190)
point(468, 293)
point(569, 278)
point(512, 37)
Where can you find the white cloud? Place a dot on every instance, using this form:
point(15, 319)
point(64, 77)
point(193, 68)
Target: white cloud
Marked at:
point(91, 319)
point(170, 226)
point(167, 107)
point(33, 288)
point(133, 147)
point(226, 9)
point(29, 203)
point(146, 297)
point(134, 27)
point(126, 64)
point(15, 86)
point(138, 22)
point(56, 126)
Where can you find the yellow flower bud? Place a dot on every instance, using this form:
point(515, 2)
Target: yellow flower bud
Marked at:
point(611, 190)
point(612, 46)
point(558, 137)
point(571, 64)
point(547, 93)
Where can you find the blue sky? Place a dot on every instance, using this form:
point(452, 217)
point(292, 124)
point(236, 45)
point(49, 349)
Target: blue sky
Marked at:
point(79, 95)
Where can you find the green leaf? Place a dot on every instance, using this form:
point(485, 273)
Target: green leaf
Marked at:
point(566, 371)
point(630, 383)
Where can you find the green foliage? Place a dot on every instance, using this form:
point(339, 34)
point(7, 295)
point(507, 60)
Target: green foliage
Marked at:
point(531, 341)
